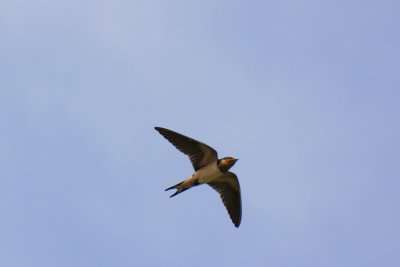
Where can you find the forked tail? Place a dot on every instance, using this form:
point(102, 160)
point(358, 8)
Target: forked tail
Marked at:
point(182, 186)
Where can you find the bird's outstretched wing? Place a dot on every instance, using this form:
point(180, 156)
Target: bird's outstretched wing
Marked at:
point(199, 154)
point(229, 189)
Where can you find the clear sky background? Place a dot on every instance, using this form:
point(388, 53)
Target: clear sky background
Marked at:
point(305, 93)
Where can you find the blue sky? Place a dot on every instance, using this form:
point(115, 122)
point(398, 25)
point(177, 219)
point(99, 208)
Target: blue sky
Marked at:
point(305, 93)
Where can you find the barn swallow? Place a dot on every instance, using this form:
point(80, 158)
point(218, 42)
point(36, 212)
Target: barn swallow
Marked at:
point(208, 170)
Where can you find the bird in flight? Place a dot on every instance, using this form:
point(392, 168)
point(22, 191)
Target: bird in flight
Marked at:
point(208, 170)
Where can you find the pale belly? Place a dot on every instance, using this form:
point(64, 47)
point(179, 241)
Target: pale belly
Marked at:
point(207, 174)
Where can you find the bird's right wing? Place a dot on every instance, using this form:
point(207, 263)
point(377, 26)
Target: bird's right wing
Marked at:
point(199, 154)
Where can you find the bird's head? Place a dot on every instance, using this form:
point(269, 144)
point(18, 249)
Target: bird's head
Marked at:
point(226, 163)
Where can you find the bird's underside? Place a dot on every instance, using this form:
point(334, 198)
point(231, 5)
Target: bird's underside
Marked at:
point(208, 169)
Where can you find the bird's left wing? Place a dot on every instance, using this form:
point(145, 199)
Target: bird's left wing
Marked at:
point(229, 189)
